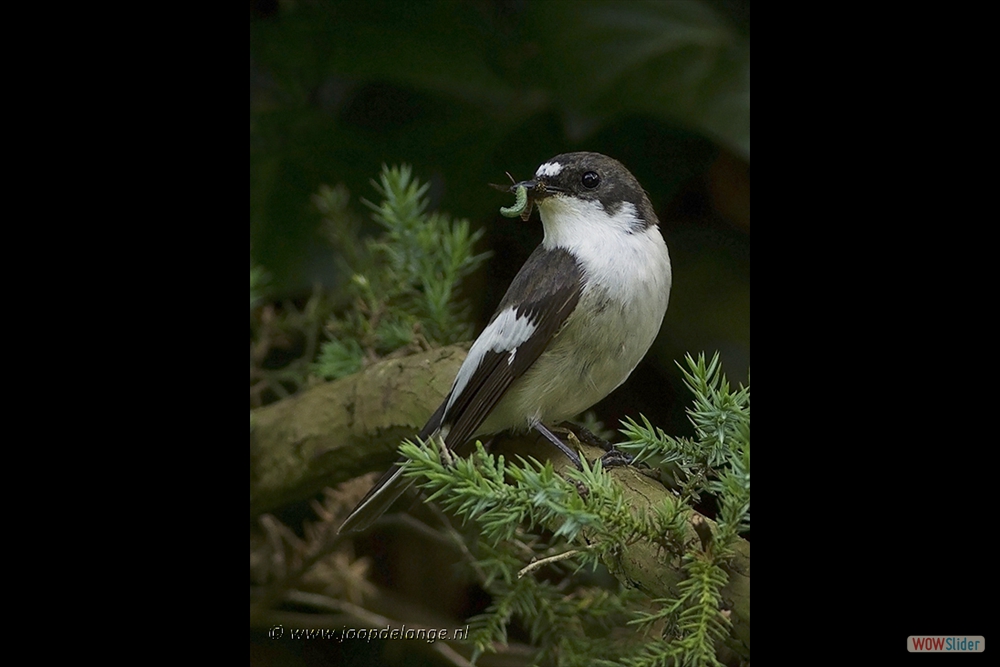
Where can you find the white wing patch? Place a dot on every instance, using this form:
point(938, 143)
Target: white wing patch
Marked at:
point(549, 169)
point(507, 332)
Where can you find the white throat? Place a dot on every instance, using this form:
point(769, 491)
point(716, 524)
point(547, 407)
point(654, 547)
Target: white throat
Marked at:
point(615, 251)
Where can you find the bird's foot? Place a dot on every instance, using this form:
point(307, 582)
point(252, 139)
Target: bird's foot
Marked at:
point(612, 458)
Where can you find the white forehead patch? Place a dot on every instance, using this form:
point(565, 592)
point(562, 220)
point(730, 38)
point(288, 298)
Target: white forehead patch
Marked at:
point(549, 169)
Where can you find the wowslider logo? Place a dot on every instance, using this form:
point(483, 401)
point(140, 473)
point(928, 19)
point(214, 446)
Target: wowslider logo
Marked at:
point(925, 644)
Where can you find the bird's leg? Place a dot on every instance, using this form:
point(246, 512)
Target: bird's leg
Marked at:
point(573, 456)
point(612, 458)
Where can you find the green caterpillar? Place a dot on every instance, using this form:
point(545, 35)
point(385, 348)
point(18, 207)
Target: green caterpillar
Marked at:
point(519, 204)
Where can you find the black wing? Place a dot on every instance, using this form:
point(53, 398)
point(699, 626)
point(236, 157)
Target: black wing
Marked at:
point(545, 291)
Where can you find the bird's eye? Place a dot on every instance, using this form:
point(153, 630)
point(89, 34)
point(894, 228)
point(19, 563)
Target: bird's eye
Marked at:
point(591, 180)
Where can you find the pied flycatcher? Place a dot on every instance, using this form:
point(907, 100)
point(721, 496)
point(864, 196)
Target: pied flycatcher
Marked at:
point(577, 319)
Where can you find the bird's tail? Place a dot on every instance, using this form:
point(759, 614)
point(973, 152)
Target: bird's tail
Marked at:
point(392, 484)
point(385, 492)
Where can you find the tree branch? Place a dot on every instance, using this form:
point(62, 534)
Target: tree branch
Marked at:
point(333, 432)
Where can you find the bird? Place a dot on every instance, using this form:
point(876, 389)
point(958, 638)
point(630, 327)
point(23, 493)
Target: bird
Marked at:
point(575, 322)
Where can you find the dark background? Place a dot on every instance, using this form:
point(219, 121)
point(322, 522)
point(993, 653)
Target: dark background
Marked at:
point(465, 91)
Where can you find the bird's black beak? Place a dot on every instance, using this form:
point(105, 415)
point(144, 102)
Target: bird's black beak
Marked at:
point(533, 191)
point(536, 188)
